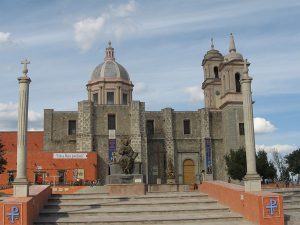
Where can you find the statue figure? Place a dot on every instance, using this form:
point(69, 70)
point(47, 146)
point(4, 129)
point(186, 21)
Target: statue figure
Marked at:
point(128, 156)
point(170, 171)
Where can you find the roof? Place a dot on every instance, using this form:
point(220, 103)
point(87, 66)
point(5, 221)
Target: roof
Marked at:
point(110, 69)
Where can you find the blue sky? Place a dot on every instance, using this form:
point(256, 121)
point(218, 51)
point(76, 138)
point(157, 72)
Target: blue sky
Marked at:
point(161, 44)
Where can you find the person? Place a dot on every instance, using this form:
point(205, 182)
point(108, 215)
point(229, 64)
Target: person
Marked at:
point(195, 186)
point(202, 178)
point(10, 178)
point(229, 180)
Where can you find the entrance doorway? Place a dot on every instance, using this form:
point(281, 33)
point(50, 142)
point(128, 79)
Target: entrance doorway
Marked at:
point(61, 177)
point(189, 172)
point(39, 177)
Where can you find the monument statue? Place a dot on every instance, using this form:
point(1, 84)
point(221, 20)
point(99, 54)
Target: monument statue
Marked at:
point(128, 156)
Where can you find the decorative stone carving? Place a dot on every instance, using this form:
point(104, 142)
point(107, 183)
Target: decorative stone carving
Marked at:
point(170, 172)
point(128, 156)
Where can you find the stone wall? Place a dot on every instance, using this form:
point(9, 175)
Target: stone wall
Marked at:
point(56, 137)
point(84, 136)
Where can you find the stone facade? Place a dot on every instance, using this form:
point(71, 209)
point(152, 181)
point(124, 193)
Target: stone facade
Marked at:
point(159, 137)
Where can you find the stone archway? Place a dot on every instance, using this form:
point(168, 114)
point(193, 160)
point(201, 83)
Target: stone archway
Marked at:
point(189, 176)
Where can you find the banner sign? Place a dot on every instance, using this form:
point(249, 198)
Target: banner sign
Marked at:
point(112, 134)
point(111, 148)
point(208, 156)
point(69, 155)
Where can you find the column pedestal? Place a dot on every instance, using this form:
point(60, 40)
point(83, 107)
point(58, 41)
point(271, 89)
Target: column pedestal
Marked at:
point(21, 188)
point(252, 183)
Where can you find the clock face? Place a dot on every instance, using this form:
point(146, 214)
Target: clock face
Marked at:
point(217, 93)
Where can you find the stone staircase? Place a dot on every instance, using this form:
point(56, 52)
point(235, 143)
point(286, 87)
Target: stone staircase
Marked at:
point(153, 208)
point(291, 205)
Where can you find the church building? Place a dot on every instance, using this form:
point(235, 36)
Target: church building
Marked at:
point(187, 141)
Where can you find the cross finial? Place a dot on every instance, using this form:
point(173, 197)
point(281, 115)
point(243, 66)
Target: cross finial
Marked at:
point(25, 70)
point(212, 43)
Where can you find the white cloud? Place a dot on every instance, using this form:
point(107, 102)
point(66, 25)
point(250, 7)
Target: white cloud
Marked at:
point(261, 125)
point(124, 9)
point(195, 93)
point(88, 30)
point(282, 148)
point(140, 87)
point(4, 37)
point(9, 117)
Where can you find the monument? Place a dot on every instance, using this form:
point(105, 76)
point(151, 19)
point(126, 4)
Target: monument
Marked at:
point(21, 183)
point(252, 179)
point(123, 168)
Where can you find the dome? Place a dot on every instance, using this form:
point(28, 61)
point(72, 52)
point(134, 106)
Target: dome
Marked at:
point(233, 56)
point(110, 69)
point(213, 54)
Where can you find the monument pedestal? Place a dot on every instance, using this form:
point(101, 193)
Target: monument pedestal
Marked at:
point(21, 188)
point(170, 181)
point(252, 183)
point(117, 176)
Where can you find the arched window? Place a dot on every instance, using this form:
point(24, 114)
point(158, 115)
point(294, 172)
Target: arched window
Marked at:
point(216, 72)
point(237, 82)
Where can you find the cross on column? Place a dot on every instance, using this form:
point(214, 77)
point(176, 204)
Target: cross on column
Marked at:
point(25, 62)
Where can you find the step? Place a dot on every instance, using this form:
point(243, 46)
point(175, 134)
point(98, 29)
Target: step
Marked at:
point(145, 210)
point(116, 202)
point(148, 196)
point(123, 219)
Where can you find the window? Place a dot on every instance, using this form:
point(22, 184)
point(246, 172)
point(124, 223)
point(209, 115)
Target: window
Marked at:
point(95, 98)
point(237, 82)
point(110, 98)
point(111, 122)
point(216, 72)
point(124, 99)
point(150, 127)
point(186, 127)
point(241, 129)
point(72, 127)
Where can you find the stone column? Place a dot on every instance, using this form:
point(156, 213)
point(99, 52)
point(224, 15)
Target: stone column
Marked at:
point(252, 179)
point(21, 184)
point(169, 145)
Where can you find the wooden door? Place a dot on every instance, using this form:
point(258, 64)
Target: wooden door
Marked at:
point(189, 172)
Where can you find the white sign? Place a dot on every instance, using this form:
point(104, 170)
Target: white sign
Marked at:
point(138, 180)
point(111, 134)
point(69, 155)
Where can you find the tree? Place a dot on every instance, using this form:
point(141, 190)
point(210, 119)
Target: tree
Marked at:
point(3, 161)
point(265, 168)
point(293, 162)
point(237, 167)
point(236, 163)
point(279, 163)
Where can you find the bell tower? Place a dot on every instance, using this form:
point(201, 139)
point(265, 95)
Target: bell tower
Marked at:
point(212, 81)
point(231, 70)
point(231, 105)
